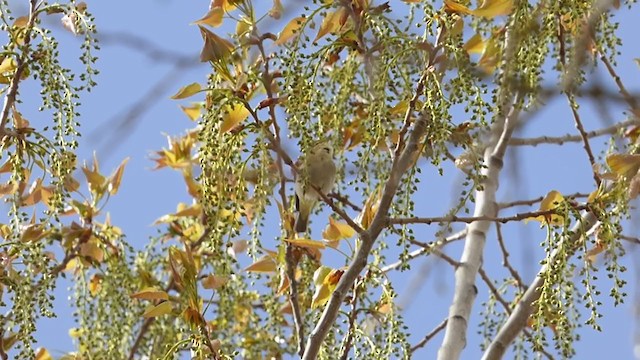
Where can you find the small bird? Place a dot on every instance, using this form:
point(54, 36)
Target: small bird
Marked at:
point(318, 169)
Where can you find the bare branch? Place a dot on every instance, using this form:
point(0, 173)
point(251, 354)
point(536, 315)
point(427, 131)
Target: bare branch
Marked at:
point(560, 140)
point(429, 336)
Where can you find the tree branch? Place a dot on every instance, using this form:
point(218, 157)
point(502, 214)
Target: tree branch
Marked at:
point(560, 140)
point(486, 206)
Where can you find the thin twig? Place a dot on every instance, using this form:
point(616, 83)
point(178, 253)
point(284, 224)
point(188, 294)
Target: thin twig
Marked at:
point(426, 248)
point(21, 66)
point(560, 140)
point(505, 258)
point(429, 336)
point(471, 219)
point(353, 315)
point(585, 139)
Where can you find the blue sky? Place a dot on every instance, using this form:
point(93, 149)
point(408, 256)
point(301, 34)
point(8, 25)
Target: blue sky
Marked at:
point(128, 74)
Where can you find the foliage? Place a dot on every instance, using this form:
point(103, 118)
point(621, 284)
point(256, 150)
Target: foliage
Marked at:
point(399, 89)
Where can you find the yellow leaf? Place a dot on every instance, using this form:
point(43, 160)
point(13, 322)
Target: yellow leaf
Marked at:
point(116, 178)
point(550, 202)
point(5, 231)
point(214, 281)
point(336, 231)
point(43, 354)
point(456, 7)
point(326, 280)
point(213, 18)
point(265, 264)
point(625, 166)
point(150, 293)
point(307, 243)
point(161, 309)
point(290, 30)
point(491, 54)
point(187, 91)
point(492, 8)
point(193, 111)
point(370, 209)
point(332, 22)
point(226, 5)
point(233, 116)
point(95, 284)
point(475, 45)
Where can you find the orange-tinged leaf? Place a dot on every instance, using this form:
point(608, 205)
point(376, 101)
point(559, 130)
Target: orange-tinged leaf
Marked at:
point(370, 209)
point(453, 6)
point(33, 232)
point(187, 91)
point(491, 55)
point(192, 111)
point(92, 250)
point(233, 117)
point(307, 243)
point(226, 5)
point(214, 281)
point(8, 189)
point(290, 30)
point(265, 264)
point(492, 8)
point(277, 9)
point(475, 45)
point(150, 293)
point(116, 178)
point(336, 231)
point(238, 247)
point(43, 354)
point(625, 166)
point(593, 252)
point(326, 280)
point(5, 231)
point(158, 310)
point(95, 284)
point(213, 18)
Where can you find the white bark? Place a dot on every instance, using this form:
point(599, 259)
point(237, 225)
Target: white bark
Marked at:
point(465, 290)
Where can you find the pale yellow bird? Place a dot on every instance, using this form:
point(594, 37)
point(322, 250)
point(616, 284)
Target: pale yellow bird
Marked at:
point(316, 168)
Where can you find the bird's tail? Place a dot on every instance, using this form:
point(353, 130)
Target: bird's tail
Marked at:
point(304, 209)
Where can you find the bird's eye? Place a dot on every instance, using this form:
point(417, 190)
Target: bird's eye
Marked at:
point(327, 149)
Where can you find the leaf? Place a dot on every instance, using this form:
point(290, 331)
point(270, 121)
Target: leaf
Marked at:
point(215, 48)
point(233, 117)
point(326, 280)
point(214, 281)
point(265, 264)
point(92, 250)
point(290, 30)
point(43, 354)
point(336, 231)
point(150, 293)
point(158, 310)
point(475, 45)
point(277, 9)
point(237, 247)
point(623, 165)
point(187, 91)
point(33, 233)
point(332, 22)
point(550, 202)
point(213, 18)
point(492, 8)
point(116, 178)
point(95, 284)
point(193, 111)
point(307, 243)
point(489, 8)
point(370, 209)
